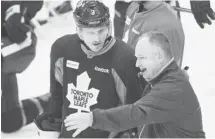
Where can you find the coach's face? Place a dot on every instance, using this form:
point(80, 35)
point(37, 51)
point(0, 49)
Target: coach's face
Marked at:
point(149, 58)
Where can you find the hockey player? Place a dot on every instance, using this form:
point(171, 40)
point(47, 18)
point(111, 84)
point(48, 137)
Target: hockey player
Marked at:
point(145, 16)
point(89, 70)
point(18, 44)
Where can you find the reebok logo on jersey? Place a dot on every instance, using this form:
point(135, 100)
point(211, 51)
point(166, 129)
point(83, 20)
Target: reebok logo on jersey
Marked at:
point(101, 69)
point(72, 64)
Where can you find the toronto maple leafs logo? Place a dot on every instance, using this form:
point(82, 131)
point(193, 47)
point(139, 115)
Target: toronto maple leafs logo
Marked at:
point(80, 97)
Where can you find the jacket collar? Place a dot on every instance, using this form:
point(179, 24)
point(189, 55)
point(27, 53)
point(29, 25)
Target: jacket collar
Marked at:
point(170, 66)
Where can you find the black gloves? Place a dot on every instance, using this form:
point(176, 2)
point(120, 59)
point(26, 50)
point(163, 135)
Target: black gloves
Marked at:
point(14, 24)
point(17, 18)
point(30, 9)
point(47, 122)
point(17, 57)
point(202, 9)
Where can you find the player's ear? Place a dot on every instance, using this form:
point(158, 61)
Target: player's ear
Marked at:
point(79, 32)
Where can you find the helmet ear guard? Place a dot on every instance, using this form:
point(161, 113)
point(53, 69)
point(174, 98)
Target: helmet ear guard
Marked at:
point(110, 29)
point(91, 13)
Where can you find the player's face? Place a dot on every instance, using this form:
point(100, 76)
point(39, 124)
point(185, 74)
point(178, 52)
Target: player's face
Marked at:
point(95, 37)
point(147, 59)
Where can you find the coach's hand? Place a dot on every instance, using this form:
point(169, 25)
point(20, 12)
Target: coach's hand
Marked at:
point(201, 11)
point(79, 121)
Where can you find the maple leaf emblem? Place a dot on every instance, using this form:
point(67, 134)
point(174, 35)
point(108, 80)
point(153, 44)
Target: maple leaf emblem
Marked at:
point(80, 97)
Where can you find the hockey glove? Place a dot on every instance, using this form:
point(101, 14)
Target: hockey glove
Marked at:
point(17, 57)
point(47, 122)
point(30, 9)
point(201, 10)
point(15, 25)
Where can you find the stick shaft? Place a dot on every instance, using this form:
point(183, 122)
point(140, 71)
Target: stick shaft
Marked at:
point(182, 9)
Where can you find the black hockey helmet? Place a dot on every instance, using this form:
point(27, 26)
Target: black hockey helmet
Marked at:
point(91, 13)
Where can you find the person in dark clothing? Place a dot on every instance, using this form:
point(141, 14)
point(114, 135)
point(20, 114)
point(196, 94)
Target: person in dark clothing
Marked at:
point(89, 70)
point(168, 107)
point(18, 43)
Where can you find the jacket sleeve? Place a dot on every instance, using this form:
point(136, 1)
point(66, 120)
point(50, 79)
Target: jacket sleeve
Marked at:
point(56, 81)
point(161, 104)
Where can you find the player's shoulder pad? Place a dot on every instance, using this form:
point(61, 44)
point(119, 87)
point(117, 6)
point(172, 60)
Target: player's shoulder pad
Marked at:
point(123, 51)
point(64, 42)
point(124, 48)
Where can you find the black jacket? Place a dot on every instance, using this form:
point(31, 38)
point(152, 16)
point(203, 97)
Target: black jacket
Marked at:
point(169, 109)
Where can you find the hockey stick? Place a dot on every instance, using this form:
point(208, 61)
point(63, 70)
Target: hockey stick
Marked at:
point(180, 9)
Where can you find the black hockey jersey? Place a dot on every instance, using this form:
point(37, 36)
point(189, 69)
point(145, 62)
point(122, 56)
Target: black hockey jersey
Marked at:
point(83, 81)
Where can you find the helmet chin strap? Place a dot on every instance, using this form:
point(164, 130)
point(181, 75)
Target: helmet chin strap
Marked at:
point(108, 37)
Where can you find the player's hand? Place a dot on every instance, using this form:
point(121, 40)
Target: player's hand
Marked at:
point(15, 25)
point(47, 122)
point(201, 11)
point(79, 121)
point(30, 9)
